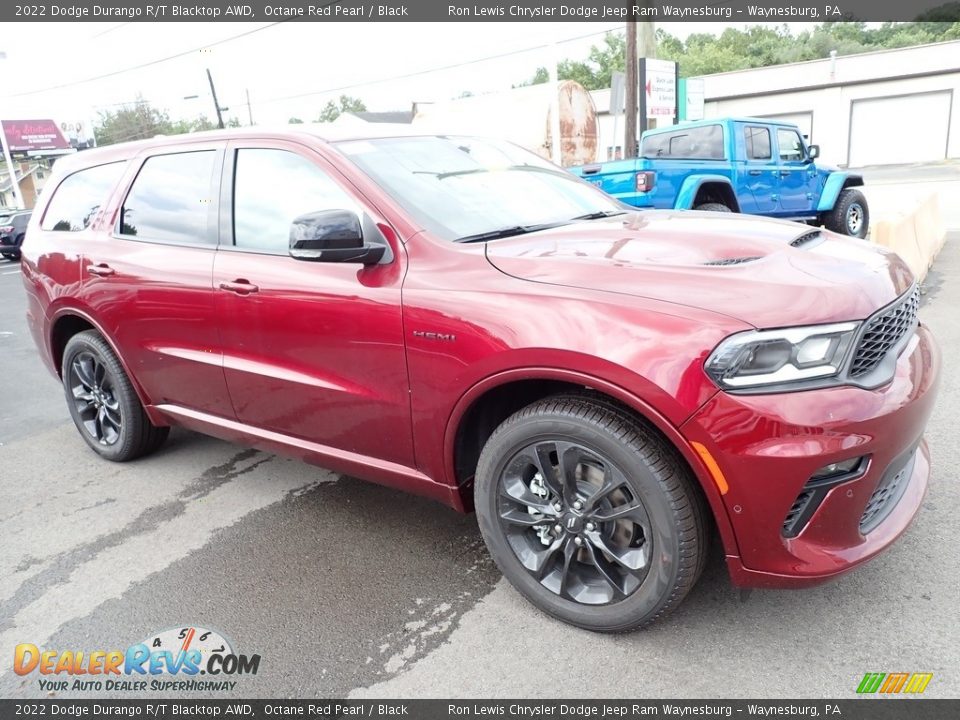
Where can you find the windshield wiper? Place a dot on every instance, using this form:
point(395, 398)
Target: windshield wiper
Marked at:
point(507, 232)
point(599, 214)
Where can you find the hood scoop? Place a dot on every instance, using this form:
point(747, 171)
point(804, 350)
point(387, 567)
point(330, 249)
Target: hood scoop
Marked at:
point(733, 260)
point(807, 238)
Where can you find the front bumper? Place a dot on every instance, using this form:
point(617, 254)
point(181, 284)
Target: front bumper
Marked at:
point(769, 446)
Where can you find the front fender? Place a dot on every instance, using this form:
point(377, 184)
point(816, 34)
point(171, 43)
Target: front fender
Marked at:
point(625, 396)
point(692, 184)
point(836, 182)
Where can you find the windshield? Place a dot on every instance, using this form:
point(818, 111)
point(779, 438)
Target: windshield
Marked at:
point(476, 189)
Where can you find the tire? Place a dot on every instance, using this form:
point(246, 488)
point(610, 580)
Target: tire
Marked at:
point(102, 402)
point(712, 207)
point(850, 214)
point(653, 553)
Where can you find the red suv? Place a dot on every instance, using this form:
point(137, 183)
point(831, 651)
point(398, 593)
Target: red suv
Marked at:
point(460, 319)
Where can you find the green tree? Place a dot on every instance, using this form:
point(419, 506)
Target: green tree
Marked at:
point(332, 110)
point(136, 121)
point(754, 46)
point(294, 121)
point(594, 72)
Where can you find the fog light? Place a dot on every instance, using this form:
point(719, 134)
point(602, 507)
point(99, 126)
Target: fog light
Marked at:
point(838, 468)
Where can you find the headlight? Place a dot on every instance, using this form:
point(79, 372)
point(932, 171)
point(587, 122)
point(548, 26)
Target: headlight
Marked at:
point(771, 357)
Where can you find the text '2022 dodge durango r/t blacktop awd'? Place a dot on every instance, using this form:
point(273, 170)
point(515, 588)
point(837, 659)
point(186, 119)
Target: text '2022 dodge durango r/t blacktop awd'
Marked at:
point(458, 318)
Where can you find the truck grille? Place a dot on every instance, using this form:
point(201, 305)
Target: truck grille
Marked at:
point(883, 331)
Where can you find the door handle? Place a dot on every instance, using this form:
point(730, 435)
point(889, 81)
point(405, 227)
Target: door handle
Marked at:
point(754, 172)
point(101, 270)
point(240, 287)
point(784, 173)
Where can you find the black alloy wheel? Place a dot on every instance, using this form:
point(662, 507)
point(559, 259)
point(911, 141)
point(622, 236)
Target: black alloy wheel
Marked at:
point(95, 398)
point(103, 403)
point(571, 519)
point(590, 513)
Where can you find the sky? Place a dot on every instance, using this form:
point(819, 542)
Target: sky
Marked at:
point(290, 69)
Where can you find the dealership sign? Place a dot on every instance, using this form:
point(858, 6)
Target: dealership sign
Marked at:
point(659, 79)
point(47, 136)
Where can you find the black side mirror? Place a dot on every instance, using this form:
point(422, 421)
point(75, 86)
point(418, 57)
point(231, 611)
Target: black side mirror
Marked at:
point(813, 152)
point(332, 236)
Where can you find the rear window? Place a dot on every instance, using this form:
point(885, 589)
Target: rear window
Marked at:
point(758, 142)
point(170, 199)
point(78, 198)
point(699, 143)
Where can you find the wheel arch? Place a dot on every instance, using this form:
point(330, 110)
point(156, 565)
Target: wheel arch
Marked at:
point(492, 400)
point(698, 189)
point(69, 321)
point(836, 183)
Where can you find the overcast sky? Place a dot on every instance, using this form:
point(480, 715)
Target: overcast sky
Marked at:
point(290, 69)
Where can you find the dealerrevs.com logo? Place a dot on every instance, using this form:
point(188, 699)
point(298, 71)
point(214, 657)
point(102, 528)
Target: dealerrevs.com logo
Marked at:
point(169, 661)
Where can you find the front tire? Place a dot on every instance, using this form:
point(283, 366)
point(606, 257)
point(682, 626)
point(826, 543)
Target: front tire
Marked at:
point(850, 215)
point(102, 402)
point(590, 514)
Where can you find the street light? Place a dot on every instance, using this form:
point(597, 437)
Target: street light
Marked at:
point(14, 183)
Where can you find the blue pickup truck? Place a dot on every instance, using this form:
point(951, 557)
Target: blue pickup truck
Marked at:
point(747, 165)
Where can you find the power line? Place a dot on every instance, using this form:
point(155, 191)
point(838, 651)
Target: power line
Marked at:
point(109, 30)
point(428, 71)
point(151, 62)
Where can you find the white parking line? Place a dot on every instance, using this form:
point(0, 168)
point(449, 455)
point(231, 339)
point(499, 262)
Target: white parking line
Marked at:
point(11, 272)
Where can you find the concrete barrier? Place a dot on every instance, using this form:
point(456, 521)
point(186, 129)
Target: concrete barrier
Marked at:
point(915, 232)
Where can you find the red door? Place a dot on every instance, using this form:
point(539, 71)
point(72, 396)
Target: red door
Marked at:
point(149, 280)
point(312, 350)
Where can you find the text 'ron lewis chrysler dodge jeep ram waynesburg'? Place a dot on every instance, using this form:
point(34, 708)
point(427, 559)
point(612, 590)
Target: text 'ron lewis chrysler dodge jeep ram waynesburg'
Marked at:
point(458, 318)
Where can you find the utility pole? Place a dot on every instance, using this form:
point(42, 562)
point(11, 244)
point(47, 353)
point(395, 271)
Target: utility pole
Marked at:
point(249, 109)
point(630, 103)
point(8, 160)
point(216, 103)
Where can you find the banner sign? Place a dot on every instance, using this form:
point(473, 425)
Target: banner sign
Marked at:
point(37, 136)
point(660, 86)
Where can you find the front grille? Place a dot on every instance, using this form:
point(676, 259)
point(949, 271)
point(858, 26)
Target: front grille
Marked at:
point(886, 496)
point(883, 331)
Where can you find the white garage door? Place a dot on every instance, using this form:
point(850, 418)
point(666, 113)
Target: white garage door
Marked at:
point(803, 120)
point(906, 129)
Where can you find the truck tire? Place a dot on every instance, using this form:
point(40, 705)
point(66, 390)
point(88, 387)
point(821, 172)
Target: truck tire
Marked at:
point(630, 537)
point(850, 215)
point(712, 207)
point(102, 402)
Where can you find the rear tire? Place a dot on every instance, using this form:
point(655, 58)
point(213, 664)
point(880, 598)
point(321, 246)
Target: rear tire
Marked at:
point(102, 402)
point(712, 207)
point(634, 547)
point(850, 215)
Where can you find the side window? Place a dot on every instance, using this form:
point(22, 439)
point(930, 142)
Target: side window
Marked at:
point(78, 198)
point(758, 142)
point(170, 199)
point(271, 188)
point(699, 143)
point(791, 146)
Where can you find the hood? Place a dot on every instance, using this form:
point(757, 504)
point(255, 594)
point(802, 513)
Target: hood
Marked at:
point(767, 273)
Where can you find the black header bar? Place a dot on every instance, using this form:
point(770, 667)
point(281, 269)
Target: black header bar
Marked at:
point(737, 11)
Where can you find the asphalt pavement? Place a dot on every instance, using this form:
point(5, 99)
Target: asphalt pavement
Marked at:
point(346, 588)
